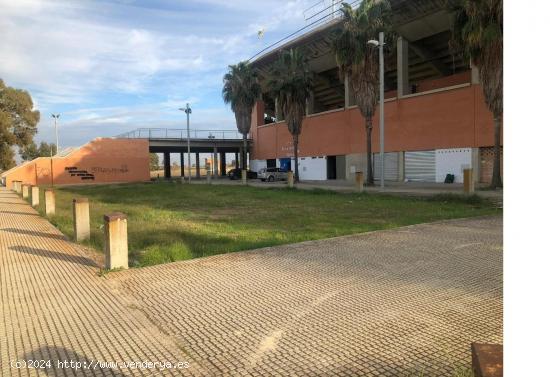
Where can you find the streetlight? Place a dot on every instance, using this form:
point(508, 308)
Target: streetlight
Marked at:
point(55, 118)
point(380, 45)
point(187, 111)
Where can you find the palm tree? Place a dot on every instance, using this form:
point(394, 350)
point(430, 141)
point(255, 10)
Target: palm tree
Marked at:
point(358, 60)
point(478, 31)
point(241, 90)
point(291, 82)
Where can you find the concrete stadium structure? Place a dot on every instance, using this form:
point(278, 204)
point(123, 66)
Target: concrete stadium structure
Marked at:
point(436, 119)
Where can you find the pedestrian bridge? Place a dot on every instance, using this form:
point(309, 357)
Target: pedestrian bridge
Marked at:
point(169, 140)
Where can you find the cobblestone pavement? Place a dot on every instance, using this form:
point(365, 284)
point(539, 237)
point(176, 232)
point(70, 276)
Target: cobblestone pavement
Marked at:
point(54, 306)
point(389, 303)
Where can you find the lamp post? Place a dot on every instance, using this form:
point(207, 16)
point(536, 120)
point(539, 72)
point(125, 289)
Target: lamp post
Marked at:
point(188, 111)
point(55, 118)
point(380, 44)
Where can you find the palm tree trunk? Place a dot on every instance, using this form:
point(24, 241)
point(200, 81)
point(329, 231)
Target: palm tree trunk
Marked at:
point(296, 170)
point(496, 181)
point(370, 177)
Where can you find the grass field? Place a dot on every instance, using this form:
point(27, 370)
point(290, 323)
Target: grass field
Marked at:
point(169, 222)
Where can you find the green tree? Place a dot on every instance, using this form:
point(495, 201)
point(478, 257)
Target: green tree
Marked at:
point(291, 82)
point(241, 90)
point(31, 151)
point(18, 122)
point(154, 163)
point(478, 32)
point(358, 60)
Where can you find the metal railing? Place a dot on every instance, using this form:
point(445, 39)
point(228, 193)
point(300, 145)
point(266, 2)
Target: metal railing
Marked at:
point(179, 134)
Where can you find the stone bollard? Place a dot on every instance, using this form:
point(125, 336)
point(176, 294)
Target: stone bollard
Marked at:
point(81, 219)
point(468, 179)
point(35, 196)
point(290, 179)
point(208, 177)
point(359, 181)
point(25, 191)
point(116, 240)
point(49, 201)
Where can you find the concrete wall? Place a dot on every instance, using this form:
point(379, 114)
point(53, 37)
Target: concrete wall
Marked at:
point(102, 160)
point(455, 118)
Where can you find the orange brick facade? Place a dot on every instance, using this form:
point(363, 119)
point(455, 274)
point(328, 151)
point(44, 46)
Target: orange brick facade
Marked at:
point(450, 118)
point(102, 160)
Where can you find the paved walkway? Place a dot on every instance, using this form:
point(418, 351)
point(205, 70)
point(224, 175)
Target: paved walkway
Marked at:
point(384, 303)
point(54, 306)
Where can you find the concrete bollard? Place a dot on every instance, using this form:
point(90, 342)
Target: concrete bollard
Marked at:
point(116, 240)
point(81, 219)
point(359, 181)
point(35, 196)
point(208, 177)
point(290, 179)
point(25, 191)
point(16, 186)
point(468, 179)
point(49, 201)
point(243, 176)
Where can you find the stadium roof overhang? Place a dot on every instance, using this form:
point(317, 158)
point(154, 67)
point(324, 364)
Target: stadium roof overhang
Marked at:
point(425, 24)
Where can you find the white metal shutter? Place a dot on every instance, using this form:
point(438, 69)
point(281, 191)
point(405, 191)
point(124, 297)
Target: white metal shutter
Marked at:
point(420, 166)
point(391, 166)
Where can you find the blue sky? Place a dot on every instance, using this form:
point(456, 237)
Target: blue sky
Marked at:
point(113, 66)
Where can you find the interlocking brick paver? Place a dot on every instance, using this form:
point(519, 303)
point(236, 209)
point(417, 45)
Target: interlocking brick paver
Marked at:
point(55, 307)
point(385, 303)
point(379, 304)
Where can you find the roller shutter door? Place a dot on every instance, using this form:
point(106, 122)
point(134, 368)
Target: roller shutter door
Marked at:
point(420, 166)
point(391, 166)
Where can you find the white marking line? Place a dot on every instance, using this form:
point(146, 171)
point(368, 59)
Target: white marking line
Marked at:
point(467, 245)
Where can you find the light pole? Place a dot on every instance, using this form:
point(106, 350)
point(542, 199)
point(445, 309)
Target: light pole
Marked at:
point(188, 111)
point(380, 44)
point(55, 118)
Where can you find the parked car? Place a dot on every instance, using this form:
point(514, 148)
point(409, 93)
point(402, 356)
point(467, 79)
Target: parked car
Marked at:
point(237, 174)
point(272, 174)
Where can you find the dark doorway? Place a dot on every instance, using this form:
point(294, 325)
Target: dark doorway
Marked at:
point(272, 163)
point(331, 167)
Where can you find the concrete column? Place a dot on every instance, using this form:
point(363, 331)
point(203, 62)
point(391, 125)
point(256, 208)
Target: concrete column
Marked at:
point(223, 164)
point(167, 173)
point(216, 174)
point(278, 111)
point(237, 159)
point(81, 219)
point(25, 191)
point(16, 186)
point(474, 73)
point(347, 92)
point(359, 181)
point(35, 196)
point(290, 179)
point(401, 167)
point(310, 106)
point(116, 240)
point(49, 199)
point(197, 165)
point(182, 164)
point(403, 87)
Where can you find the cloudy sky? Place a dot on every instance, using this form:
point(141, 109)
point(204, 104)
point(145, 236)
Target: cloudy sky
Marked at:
point(110, 66)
